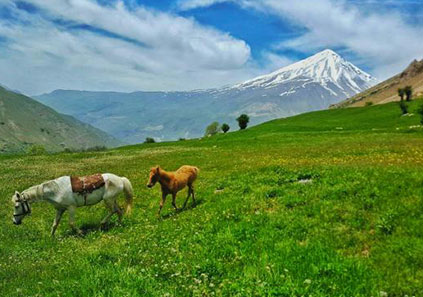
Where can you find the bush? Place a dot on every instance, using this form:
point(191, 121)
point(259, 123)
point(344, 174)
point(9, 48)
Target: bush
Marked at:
point(149, 140)
point(401, 93)
point(403, 106)
point(369, 103)
point(212, 129)
point(225, 128)
point(243, 121)
point(420, 112)
point(36, 149)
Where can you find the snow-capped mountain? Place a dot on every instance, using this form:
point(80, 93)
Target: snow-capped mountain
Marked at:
point(325, 68)
point(311, 84)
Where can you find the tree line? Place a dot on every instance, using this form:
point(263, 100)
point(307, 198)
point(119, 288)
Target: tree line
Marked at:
point(215, 127)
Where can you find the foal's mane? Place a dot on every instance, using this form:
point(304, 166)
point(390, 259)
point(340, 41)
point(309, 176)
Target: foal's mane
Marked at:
point(163, 174)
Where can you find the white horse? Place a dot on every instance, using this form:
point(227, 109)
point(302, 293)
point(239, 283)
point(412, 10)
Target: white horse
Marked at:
point(59, 192)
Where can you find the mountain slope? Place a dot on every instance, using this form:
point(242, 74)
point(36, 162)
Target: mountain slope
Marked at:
point(311, 84)
point(24, 121)
point(387, 90)
point(326, 68)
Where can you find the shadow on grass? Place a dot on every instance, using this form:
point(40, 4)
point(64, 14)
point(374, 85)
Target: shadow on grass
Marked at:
point(91, 227)
point(188, 207)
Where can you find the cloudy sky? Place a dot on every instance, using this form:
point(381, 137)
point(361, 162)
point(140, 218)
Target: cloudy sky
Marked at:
point(128, 45)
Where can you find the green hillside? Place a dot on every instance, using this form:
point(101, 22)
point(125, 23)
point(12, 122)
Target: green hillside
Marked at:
point(25, 122)
point(293, 207)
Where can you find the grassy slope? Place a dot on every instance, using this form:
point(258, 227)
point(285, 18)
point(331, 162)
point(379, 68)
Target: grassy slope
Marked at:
point(354, 231)
point(386, 91)
point(24, 121)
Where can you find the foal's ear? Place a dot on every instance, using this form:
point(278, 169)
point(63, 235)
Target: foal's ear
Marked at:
point(17, 195)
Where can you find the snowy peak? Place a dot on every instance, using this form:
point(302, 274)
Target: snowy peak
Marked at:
point(325, 68)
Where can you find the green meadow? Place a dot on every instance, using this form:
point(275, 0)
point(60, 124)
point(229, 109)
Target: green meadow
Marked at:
point(327, 203)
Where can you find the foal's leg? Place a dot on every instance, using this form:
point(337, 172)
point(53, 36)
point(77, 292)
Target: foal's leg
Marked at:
point(71, 210)
point(162, 203)
point(174, 201)
point(189, 193)
point(56, 221)
point(193, 195)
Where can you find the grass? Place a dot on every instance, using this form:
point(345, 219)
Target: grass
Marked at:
point(323, 204)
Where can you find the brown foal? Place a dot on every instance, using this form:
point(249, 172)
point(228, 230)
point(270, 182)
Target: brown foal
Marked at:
point(173, 182)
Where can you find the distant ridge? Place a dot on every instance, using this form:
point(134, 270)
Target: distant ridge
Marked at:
point(311, 84)
point(25, 122)
point(387, 91)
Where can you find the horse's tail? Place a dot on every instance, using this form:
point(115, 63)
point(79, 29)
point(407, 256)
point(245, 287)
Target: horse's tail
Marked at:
point(129, 193)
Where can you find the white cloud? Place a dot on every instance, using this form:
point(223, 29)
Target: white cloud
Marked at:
point(192, 4)
point(156, 51)
point(382, 39)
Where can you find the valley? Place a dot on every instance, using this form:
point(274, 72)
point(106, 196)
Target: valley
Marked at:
point(311, 84)
point(327, 203)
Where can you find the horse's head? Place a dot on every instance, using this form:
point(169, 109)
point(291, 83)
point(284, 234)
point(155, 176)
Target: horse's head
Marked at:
point(154, 176)
point(21, 209)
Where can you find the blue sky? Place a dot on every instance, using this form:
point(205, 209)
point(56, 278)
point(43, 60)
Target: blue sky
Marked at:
point(190, 44)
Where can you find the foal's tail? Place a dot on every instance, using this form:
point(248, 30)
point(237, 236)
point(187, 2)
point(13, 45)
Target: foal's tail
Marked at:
point(129, 193)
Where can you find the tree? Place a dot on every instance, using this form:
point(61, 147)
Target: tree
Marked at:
point(401, 93)
point(149, 140)
point(212, 129)
point(408, 90)
point(243, 121)
point(225, 128)
point(420, 112)
point(404, 107)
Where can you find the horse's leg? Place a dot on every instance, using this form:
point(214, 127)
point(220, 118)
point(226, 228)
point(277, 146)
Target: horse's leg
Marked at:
point(72, 210)
point(162, 203)
point(56, 221)
point(174, 201)
point(189, 193)
point(119, 211)
point(111, 208)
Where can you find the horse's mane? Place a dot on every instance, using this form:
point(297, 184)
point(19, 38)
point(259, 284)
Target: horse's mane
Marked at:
point(36, 192)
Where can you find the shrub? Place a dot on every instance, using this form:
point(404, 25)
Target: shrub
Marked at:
point(401, 93)
point(243, 121)
point(225, 128)
point(369, 103)
point(149, 140)
point(212, 129)
point(420, 112)
point(404, 107)
point(36, 149)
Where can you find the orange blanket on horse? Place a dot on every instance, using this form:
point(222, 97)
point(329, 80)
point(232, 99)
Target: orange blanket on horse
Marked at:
point(86, 184)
